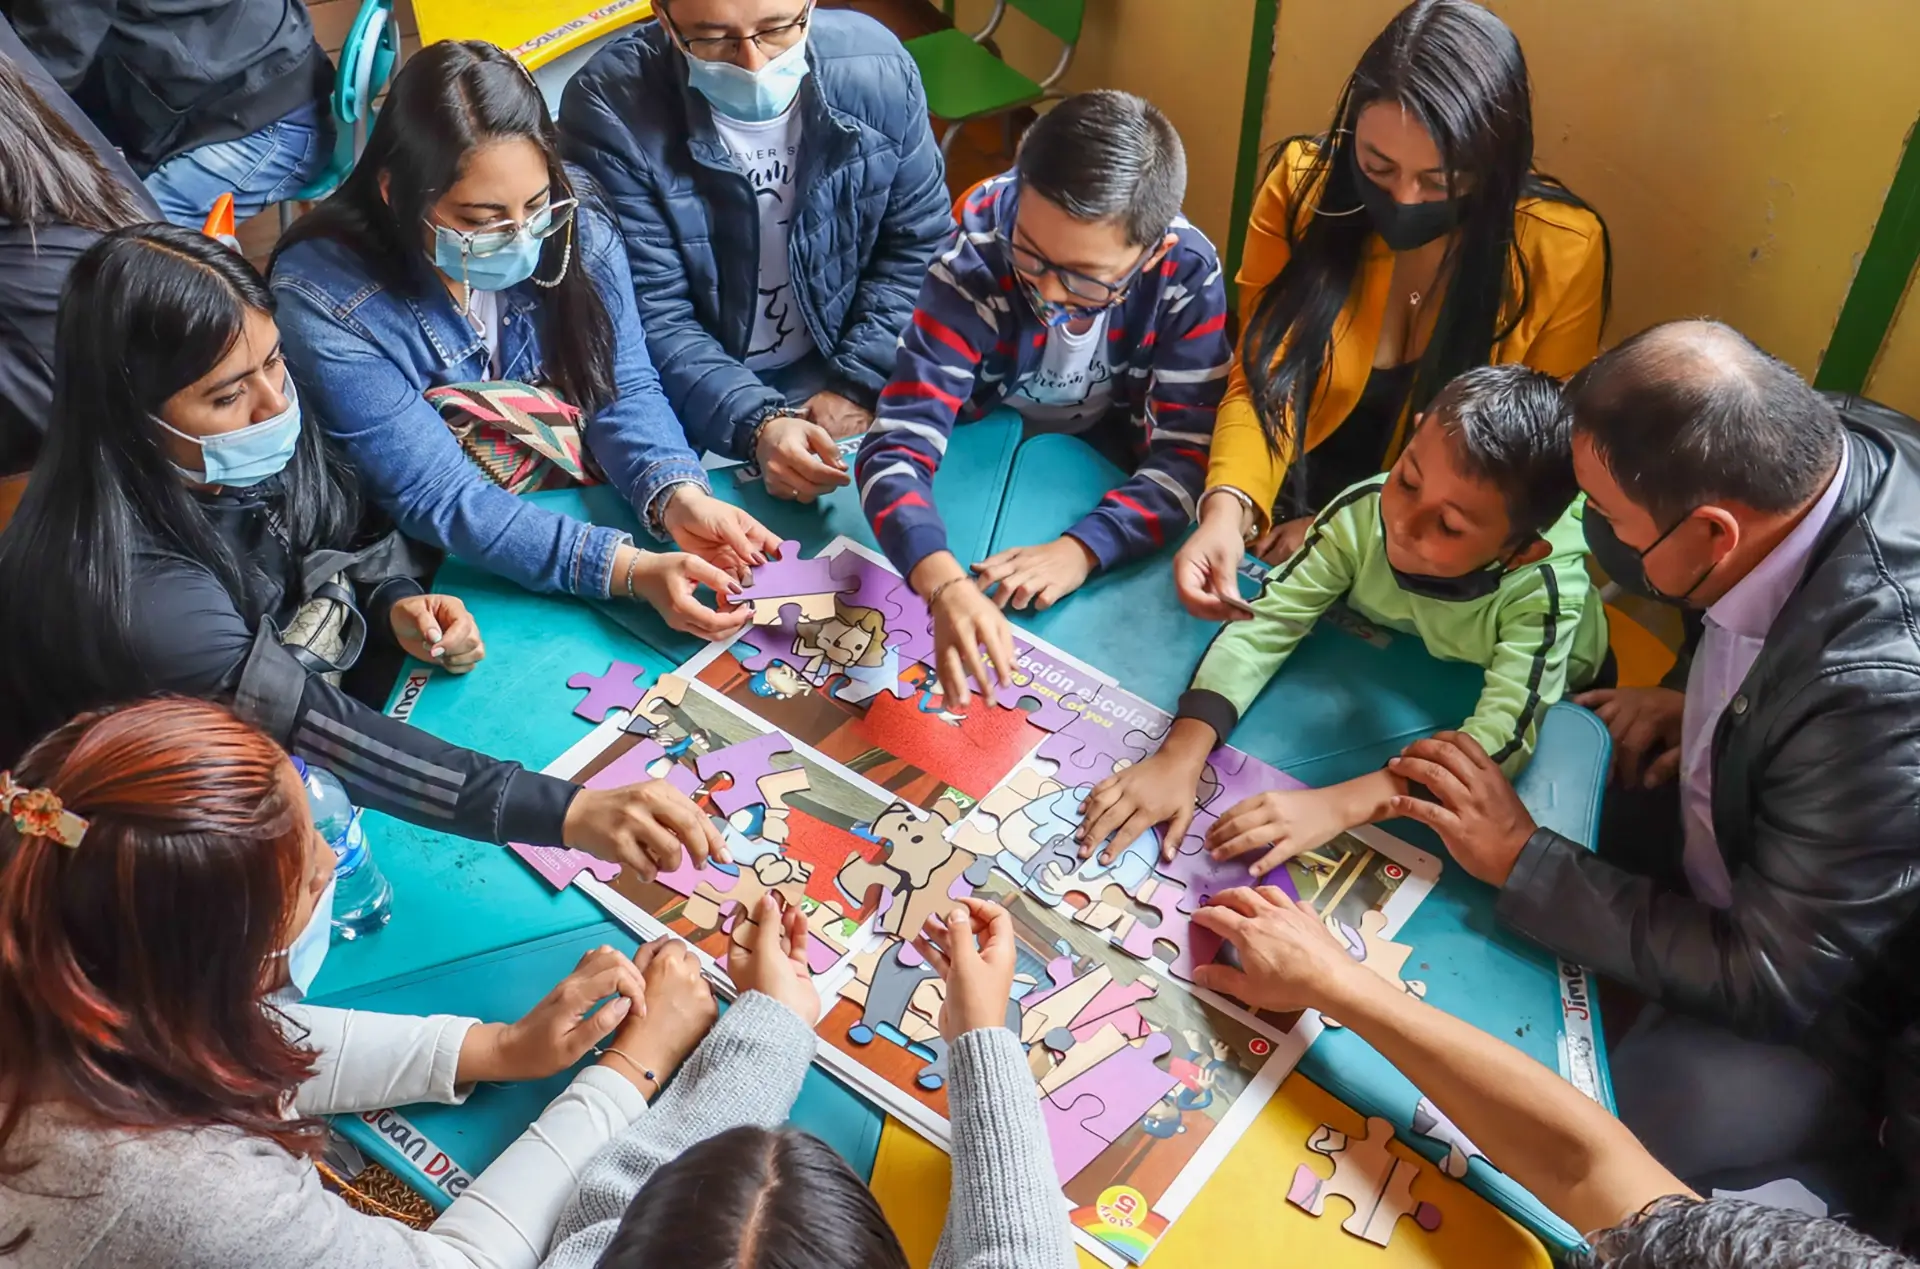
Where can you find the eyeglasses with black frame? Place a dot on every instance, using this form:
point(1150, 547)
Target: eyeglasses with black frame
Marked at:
point(1094, 291)
point(727, 48)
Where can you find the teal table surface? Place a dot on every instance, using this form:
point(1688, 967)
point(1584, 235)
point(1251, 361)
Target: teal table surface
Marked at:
point(499, 987)
point(455, 898)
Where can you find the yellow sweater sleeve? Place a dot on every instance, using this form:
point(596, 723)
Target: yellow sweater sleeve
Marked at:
point(1240, 456)
point(1569, 337)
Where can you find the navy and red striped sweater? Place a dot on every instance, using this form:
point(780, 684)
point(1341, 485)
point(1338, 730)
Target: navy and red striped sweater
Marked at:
point(974, 340)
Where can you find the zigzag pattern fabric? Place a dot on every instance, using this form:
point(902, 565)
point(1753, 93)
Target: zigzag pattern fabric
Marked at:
point(525, 438)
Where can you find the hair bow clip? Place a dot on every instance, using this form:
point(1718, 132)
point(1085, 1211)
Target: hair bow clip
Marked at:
point(38, 813)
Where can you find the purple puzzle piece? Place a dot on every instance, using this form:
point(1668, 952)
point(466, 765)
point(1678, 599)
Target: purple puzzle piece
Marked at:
point(1119, 728)
point(1055, 693)
point(1121, 1090)
point(866, 584)
point(618, 688)
point(746, 762)
point(639, 764)
point(558, 866)
point(789, 576)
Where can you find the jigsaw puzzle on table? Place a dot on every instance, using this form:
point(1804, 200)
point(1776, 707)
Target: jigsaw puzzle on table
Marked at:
point(822, 747)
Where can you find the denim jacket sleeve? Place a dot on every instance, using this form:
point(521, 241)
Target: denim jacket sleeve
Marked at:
point(918, 218)
point(716, 396)
point(636, 437)
point(407, 460)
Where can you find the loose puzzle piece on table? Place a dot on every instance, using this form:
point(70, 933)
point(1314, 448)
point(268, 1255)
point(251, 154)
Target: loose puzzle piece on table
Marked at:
point(1088, 1113)
point(1367, 1175)
point(1372, 948)
point(618, 688)
point(1429, 1122)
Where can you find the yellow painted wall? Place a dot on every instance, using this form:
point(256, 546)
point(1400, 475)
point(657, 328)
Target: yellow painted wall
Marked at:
point(1189, 57)
point(1739, 149)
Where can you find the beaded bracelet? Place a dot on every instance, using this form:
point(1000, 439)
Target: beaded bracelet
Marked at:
point(631, 565)
point(629, 1059)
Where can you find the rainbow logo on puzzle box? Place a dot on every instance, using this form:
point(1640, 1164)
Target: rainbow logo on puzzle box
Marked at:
point(1122, 1220)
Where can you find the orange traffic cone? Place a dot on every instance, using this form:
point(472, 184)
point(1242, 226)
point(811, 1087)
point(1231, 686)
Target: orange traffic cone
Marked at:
point(220, 222)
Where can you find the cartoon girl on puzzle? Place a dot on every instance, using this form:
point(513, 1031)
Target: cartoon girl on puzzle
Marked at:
point(851, 642)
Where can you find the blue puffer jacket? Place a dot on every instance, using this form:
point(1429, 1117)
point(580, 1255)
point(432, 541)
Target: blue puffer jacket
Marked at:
point(873, 210)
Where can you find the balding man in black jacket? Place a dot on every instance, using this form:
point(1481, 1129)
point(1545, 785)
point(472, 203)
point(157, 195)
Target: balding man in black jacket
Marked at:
point(1768, 915)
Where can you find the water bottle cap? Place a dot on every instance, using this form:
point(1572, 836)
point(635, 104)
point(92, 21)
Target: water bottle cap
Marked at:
point(300, 768)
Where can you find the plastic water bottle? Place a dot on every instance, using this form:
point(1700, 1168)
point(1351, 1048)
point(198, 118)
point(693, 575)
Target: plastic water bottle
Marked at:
point(362, 895)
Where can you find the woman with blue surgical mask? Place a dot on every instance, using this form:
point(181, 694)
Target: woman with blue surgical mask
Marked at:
point(165, 899)
point(188, 530)
point(464, 315)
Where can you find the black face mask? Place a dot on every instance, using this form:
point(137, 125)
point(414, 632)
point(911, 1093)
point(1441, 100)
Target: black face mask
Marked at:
point(1404, 226)
point(1628, 565)
point(1453, 590)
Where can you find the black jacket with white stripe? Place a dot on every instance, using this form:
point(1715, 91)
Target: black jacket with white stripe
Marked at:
point(191, 637)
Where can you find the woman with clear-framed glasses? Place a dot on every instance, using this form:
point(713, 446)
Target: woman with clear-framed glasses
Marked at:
point(462, 315)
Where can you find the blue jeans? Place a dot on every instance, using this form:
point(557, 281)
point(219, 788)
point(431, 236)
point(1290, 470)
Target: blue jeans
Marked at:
point(259, 169)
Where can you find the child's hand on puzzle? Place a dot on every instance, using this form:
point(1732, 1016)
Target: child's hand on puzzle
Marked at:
point(973, 950)
point(439, 630)
point(1156, 790)
point(1036, 577)
point(771, 958)
point(1283, 823)
point(965, 625)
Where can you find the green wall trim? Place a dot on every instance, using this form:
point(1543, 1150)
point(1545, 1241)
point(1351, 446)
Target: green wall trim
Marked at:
point(1246, 178)
point(1873, 300)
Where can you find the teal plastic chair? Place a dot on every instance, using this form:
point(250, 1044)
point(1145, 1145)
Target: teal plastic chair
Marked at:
point(368, 60)
point(966, 81)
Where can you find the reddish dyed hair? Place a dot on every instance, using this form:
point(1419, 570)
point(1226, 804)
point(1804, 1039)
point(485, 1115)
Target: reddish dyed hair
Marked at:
point(134, 967)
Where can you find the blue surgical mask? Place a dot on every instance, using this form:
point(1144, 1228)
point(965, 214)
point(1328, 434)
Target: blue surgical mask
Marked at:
point(309, 949)
point(247, 455)
point(512, 254)
point(755, 96)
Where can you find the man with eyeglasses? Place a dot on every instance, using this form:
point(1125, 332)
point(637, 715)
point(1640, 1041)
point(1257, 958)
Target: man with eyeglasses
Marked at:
point(774, 173)
point(1076, 293)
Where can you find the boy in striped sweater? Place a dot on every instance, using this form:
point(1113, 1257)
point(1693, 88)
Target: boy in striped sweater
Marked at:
point(1075, 293)
point(1472, 541)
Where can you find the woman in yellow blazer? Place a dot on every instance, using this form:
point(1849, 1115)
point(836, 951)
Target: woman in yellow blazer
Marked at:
point(1411, 242)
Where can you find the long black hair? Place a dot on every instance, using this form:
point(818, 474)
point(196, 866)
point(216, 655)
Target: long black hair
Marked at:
point(450, 99)
point(147, 311)
point(48, 175)
point(767, 1200)
point(1457, 69)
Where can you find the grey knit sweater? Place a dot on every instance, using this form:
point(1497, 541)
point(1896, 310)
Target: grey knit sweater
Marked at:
point(1005, 1210)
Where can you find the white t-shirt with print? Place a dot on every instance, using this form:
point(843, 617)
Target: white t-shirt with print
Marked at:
point(768, 153)
point(1072, 387)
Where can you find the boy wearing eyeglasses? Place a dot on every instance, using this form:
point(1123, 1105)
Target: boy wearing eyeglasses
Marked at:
point(1076, 294)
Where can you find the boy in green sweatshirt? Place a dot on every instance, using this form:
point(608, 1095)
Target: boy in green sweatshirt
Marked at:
point(1471, 541)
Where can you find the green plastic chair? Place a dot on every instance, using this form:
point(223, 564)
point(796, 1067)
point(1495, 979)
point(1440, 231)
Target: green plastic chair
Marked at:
point(965, 81)
point(368, 60)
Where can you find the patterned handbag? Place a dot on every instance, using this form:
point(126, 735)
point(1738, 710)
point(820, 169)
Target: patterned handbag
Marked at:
point(526, 439)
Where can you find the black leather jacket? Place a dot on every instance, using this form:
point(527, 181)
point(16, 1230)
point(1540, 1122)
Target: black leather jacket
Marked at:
point(1816, 807)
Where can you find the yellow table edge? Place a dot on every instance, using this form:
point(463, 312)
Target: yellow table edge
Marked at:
point(443, 21)
point(911, 1178)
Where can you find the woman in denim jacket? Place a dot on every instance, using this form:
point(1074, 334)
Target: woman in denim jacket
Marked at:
point(449, 256)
